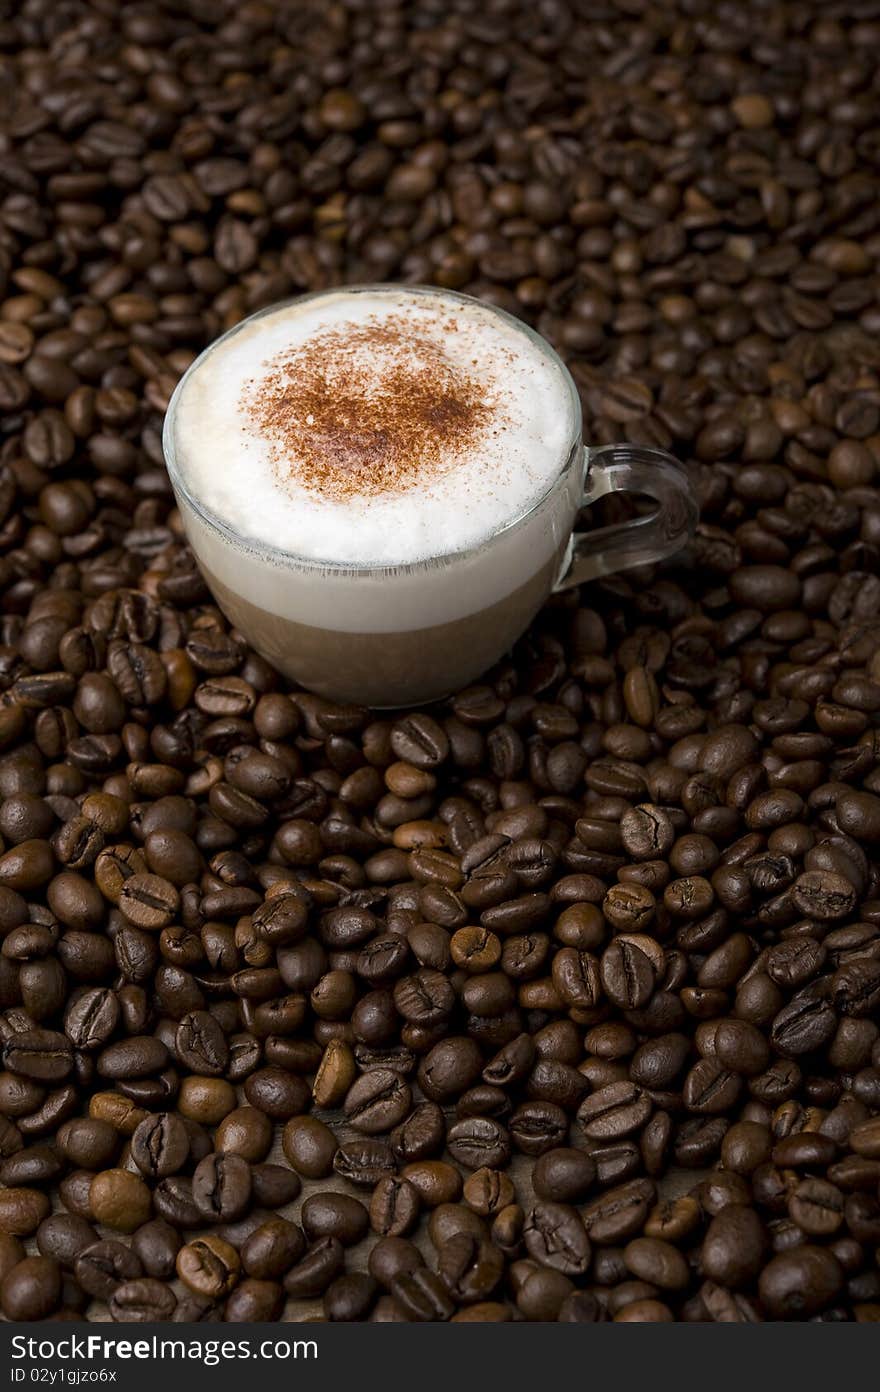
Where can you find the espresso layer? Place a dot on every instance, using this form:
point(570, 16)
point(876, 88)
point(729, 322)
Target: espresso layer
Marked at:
point(388, 669)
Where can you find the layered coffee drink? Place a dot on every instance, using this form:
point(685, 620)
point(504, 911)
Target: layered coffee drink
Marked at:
point(379, 485)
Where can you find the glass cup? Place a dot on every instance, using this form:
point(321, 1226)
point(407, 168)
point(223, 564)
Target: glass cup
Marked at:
point(390, 636)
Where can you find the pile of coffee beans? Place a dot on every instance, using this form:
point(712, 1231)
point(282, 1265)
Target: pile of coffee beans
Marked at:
point(559, 1000)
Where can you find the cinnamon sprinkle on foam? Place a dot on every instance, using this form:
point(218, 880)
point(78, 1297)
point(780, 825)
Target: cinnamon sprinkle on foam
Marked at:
point(368, 411)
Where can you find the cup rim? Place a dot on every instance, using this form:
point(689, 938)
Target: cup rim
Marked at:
point(291, 560)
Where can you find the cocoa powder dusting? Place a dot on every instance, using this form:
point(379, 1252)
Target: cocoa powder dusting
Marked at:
point(369, 410)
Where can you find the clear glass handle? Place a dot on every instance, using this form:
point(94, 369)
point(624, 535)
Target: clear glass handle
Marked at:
point(631, 469)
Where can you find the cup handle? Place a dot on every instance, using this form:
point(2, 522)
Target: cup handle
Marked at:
point(631, 469)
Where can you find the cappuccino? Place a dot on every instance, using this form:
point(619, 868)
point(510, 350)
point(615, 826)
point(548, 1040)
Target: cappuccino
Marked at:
point(388, 475)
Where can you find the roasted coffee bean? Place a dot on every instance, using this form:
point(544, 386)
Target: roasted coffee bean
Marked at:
point(364, 1162)
point(542, 1293)
point(40, 1055)
point(627, 974)
point(350, 1297)
point(479, 1141)
point(450, 1068)
point(143, 1300)
point(394, 1207)
point(309, 1146)
point(91, 1018)
point(656, 1262)
point(555, 1236)
point(35, 1164)
point(377, 1101)
point(22, 1210)
point(64, 1236)
point(148, 901)
point(119, 1200)
point(422, 1296)
point(31, 1290)
point(201, 1045)
point(563, 1175)
point(733, 1247)
point(620, 1212)
point(817, 1207)
point(335, 1075)
point(614, 906)
point(488, 1191)
point(322, 1262)
point(161, 1145)
point(800, 1282)
point(614, 1111)
point(421, 1136)
point(274, 1186)
point(435, 1181)
point(581, 1307)
point(470, 1269)
point(208, 1266)
point(221, 1187)
point(156, 1244)
point(99, 1269)
point(272, 1248)
point(803, 1026)
point(392, 1257)
point(538, 1126)
point(329, 1214)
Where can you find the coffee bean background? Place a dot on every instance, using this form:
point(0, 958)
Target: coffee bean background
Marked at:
point(556, 1001)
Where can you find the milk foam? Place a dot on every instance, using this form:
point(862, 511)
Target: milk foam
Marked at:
point(528, 474)
point(461, 498)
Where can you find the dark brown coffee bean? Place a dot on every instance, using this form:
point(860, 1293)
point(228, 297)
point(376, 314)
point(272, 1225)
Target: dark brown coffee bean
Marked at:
point(470, 1269)
point(627, 974)
point(208, 1266)
point(619, 1213)
point(422, 1135)
point(364, 1162)
point(274, 1186)
point(322, 1262)
point(420, 741)
point(555, 1236)
point(422, 1296)
point(479, 1141)
point(377, 1101)
point(350, 1297)
point(538, 1126)
point(563, 1175)
point(800, 1282)
point(32, 1289)
point(201, 1045)
point(99, 1269)
point(614, 1111)
point(156, 1244)
point(40, 1055)
point(733, 1247)
point(221, 1187)
point(160, 1145)
point(22, 1210)
point(272, 1248)
point(309, 1145)
point(143, 1300)
point(803, 1026)
point(148, 901)
point(329, 1214)
point(394, 1207)
point(63, 1236)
